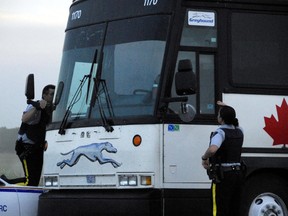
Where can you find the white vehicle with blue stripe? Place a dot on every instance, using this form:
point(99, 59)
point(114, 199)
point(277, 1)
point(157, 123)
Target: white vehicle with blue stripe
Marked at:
point(18, 200)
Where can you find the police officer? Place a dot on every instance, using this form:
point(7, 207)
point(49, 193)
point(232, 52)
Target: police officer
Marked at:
point(31, 142)
point(222, 160)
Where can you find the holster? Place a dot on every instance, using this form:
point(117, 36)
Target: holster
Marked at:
point(23, 150)
point(215, 173)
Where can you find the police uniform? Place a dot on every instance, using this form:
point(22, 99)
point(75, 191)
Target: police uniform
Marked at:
point(30, 145)
point(226, 189)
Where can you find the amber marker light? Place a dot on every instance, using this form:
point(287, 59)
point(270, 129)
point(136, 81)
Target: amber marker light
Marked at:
point(137, 140)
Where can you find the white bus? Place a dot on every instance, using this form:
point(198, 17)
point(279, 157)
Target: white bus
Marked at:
point(139, 82)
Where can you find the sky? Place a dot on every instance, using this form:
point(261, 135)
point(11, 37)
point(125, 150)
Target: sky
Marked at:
point(31, 41)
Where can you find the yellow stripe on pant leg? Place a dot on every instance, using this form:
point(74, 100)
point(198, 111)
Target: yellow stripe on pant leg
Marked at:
point(214, 199)
point(26, 174)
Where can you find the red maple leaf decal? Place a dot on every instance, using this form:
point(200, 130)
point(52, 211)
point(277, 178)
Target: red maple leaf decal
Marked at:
point(278, 130)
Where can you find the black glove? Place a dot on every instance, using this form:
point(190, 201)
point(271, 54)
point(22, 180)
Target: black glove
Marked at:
point(35, 104)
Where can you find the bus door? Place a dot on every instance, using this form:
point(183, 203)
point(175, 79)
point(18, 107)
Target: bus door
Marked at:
point(185, 140)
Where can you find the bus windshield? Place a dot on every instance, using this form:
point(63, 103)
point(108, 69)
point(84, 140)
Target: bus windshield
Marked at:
point(131, 62)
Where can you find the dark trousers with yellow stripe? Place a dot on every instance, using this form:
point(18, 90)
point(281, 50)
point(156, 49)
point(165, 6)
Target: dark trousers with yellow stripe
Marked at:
point(226, 195)
point(32, 166)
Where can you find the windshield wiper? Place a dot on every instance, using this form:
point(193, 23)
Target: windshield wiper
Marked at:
point(90, 74)
point(96, 92)
point(99, 86)
point(104, 89)
point(74, 100)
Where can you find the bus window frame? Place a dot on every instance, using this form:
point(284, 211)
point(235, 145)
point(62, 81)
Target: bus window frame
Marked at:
point(199, 118)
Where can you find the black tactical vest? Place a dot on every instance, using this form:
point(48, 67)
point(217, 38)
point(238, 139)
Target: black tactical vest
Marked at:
point(230, 150)
point(37, 132)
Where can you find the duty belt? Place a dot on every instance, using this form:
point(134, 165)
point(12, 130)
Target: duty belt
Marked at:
point(230, 168)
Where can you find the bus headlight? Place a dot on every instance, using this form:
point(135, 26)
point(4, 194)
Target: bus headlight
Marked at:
point(51, 181)
point(135, 180)
point(127, 180)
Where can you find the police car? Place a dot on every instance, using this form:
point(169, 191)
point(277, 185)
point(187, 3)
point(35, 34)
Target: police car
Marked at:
point(18, 200)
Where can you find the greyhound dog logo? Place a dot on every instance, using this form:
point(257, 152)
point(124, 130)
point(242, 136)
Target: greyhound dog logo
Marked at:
point(92, 152)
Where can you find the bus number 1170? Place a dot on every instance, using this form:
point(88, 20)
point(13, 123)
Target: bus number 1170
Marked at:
point(150, 2)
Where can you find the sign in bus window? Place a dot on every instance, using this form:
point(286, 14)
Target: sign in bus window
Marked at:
point(200, 29)
point(198, 18)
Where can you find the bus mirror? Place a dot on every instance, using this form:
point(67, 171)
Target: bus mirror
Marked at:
point(187, 112)
point(59, 93)
point(185, 79)
point(29, 89)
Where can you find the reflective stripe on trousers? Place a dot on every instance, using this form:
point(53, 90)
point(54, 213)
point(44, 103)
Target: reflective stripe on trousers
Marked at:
point(214, 199)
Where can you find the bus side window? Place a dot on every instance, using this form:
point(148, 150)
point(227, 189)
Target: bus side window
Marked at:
point(191, 57)
point(195, 34)
point(207, 83)
point(203, 95)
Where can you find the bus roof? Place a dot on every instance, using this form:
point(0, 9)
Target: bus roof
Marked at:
point(87, 12)
point(269, 2)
